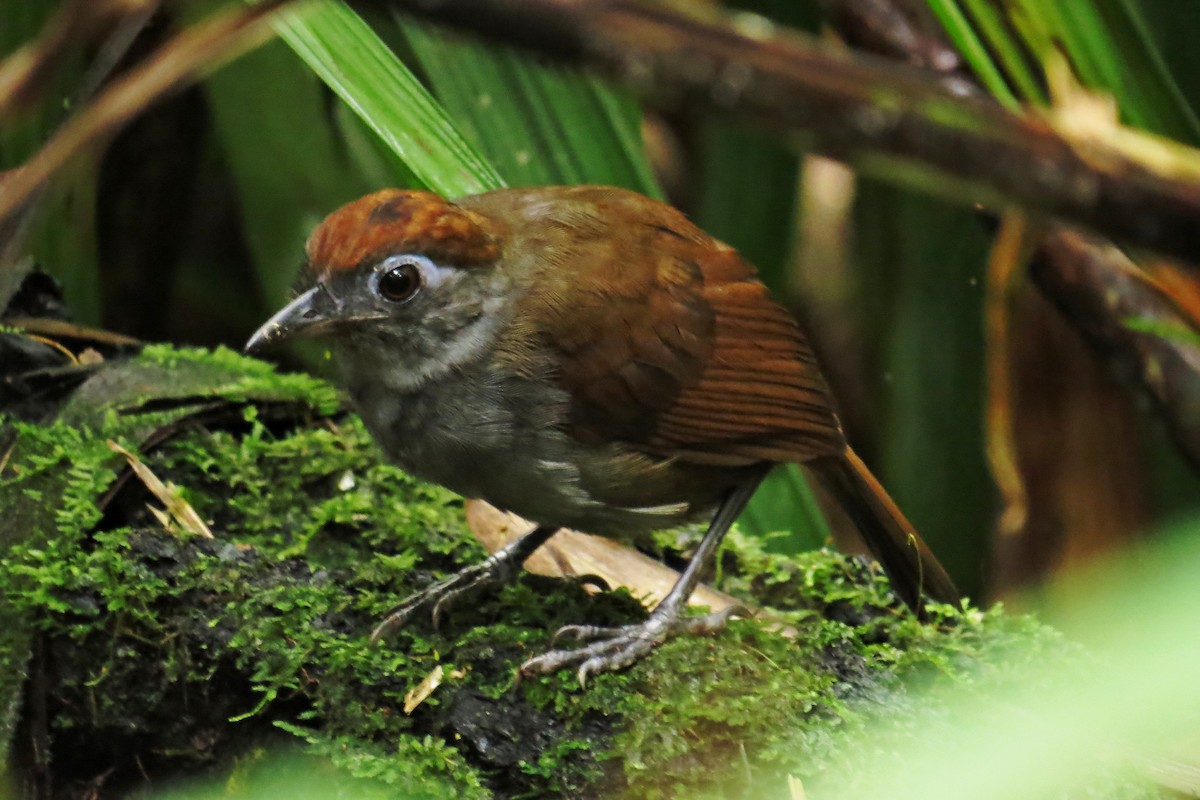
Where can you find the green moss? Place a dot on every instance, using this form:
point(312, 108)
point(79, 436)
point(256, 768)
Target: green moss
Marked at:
point(317, 539)
point(158, 635)
point(234, 376)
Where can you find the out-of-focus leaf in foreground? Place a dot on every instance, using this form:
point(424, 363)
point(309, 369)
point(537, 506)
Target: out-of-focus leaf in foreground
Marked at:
point(1056, 732)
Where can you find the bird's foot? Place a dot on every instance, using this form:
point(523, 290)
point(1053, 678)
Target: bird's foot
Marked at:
point(612, 649)
point(499, 568)
point(493, 571)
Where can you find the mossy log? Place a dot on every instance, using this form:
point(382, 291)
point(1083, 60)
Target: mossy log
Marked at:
point(138, 652)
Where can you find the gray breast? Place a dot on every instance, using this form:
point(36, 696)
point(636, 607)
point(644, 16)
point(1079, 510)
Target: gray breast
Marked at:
point(500, 437)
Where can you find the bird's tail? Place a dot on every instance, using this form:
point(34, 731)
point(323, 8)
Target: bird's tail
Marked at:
point(912, 567)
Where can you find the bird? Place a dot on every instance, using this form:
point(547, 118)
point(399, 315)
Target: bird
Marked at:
point(587, 358)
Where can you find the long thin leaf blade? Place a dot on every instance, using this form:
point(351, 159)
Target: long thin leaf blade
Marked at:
point(1108, 43)
point(969, 43)
point(360, 68)
point(537, 124)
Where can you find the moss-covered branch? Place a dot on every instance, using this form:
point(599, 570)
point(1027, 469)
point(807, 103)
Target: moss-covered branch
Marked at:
point(152, 654)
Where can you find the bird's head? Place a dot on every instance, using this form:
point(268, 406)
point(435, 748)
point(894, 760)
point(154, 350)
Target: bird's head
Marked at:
point(406, 271)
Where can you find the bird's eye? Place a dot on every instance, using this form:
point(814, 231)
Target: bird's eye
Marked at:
point(400, 282)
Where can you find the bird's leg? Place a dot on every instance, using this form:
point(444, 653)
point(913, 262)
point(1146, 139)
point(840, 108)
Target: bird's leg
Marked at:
point(496, 570)
point(615, 648)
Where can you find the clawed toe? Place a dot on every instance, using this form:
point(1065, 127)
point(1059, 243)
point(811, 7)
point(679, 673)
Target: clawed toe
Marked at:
point(603, 656)
point(496, 570)
point(440, 597)
point(394, 621)
point(612, 649)
point(584, 633)
point(597, 582)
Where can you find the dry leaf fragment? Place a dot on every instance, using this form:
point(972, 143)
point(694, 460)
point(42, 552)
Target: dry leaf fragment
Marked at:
point(422, 690)
point(90, 357)
point(168, 494)
point(571, 553)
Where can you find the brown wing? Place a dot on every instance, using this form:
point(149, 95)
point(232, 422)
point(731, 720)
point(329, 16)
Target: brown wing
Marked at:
point(761, 395)
point(666, 337)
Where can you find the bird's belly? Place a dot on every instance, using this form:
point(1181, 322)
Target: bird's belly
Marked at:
point(506, 445)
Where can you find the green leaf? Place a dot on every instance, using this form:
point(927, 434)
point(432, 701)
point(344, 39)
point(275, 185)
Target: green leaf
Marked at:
point(747, 195)
point(971, 47)
point(786, 503)
point(923, 262)
point(360, 68)
point(1107, 42)
point(538, 124)
point(1012, 54)
point(1136, 72)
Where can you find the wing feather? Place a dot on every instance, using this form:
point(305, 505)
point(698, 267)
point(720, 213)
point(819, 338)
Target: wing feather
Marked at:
point(665, 337)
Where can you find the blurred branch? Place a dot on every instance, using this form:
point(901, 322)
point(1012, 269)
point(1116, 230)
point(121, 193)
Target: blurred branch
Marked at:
point(900, 29)
point(26, 76)
point(904, 123)
point(1106, 298)
point(187, 56)
point(1121, 311)
point(78, 23)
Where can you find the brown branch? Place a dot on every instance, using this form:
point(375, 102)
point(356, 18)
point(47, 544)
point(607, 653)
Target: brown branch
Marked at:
point(1120, 311)
point(1115, 306)
point(1005, 272)
point(901, 123)
point(190, 54)
point(903, 30)
point(25, 73)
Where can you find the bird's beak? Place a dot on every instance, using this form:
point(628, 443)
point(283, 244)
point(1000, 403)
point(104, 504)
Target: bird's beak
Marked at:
point(302, 316)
